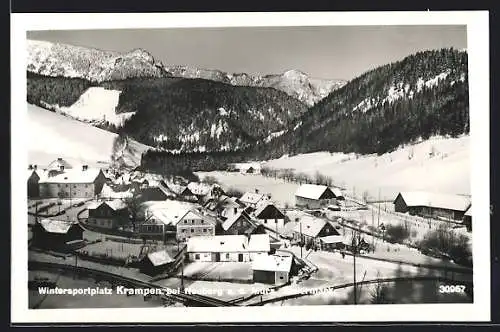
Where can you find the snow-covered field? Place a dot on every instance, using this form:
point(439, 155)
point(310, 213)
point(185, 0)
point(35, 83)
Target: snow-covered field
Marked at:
point(52, 135)
point(97, 104)
point(437, 164)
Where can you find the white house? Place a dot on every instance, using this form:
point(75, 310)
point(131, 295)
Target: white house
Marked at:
point(225, 248)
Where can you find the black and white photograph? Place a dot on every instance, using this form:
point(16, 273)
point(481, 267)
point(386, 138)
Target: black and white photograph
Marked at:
point(175, 168)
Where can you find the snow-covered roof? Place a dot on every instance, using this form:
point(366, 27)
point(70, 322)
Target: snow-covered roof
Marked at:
point(259, 242)
point(195, 214)
point(167, 212)
point(231, 220)
point(337, 192)
point(108, 192)
point(218, 243)
point(115, 204)
point(160, 257)
point(56, 226)
point(201, 189)
point(31, 172)
point(311, 226)
point(436, 200)
point(251, 198)
point(262, 207)
point(312, 191)
point(74, 176)
point(335, 239)
point(56, 164)
point(272, 263)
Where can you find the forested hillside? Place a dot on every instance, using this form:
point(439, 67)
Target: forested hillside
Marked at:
point(423, 95)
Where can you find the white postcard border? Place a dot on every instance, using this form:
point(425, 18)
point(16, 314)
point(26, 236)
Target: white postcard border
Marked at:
point(478, 48)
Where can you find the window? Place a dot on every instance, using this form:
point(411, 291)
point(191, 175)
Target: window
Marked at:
point(185, 221)
point(192, 230)
point(196, 256)
point(86, 185)
point(59, 185)
point(66, 185)
point(192, 221)
point(227, 256)
point(74, 186)
point(204, 230)
point(265, 221)
point(183, 231)
point(281, 277)
point(202, 221)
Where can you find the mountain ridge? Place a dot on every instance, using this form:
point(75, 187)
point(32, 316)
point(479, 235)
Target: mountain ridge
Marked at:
point(96, 65)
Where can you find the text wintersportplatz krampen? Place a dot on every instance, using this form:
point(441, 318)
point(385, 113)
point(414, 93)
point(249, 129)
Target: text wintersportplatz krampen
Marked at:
point(122, 290)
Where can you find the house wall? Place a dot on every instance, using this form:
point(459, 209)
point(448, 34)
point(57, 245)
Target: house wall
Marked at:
point(33, 187)
point(224, 257)
point(103, 222)
point(273, 223)
point(190, 227)
point(241, 226)
point(150, 228)
point(281, 277)
point(434, 212)
point(265, 277)
point(313, 203)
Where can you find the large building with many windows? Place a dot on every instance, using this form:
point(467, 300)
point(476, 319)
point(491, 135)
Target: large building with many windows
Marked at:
point(81, 182)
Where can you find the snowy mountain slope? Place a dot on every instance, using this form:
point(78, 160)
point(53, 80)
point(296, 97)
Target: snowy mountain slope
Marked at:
point(437, 164)
point(52, 135)
point(56, 59)
point(97, 105)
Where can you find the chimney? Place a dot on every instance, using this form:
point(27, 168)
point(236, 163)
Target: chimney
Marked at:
point(30, 166)
point(85, 167)
point(61, 168)
point(59, 159)
point(34, 167)
point(235, 210)
point(256, 191)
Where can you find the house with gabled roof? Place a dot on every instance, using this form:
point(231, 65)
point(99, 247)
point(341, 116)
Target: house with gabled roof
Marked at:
point(195, 223)
point(269, 215)
point(251, 199)
point(240, 224)
point(108, 214)
point(311, 229)
point(313, 196)
point(81, 182)
point(226, 248)
point(272, 269)
point(432, 205)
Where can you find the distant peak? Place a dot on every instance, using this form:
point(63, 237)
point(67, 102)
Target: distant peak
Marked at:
point(294, 72)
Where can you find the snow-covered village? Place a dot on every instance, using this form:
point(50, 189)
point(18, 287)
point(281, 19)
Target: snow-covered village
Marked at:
point(245, 190)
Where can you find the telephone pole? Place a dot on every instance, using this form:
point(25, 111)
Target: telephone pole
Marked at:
point(354, 249)
point(300, 244)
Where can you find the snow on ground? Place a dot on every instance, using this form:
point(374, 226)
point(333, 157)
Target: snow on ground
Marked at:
point(97, 104)
point(437, 164)
point(225, 270)
point(52, 135)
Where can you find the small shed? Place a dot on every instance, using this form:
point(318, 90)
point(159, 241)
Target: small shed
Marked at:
point(272, 269)
point(155, 262)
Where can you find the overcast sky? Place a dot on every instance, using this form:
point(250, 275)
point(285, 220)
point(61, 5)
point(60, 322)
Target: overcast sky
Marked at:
point(322, 52)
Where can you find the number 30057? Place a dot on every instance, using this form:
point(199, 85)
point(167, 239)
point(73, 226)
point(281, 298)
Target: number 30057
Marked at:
point(451, 288)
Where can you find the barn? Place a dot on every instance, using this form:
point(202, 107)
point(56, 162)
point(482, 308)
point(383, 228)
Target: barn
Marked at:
point(55, 234)
point(432, 205)
point(108, 214)
point(270, 215)
point(272, 269)
point(312, 196)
